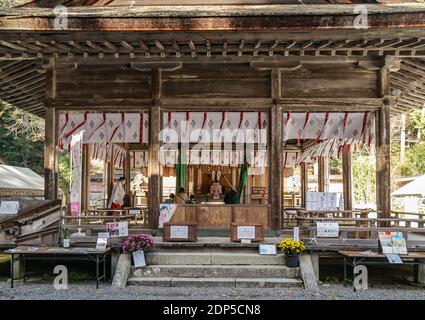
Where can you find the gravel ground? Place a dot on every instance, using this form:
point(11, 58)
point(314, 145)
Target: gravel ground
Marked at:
point(87, 291)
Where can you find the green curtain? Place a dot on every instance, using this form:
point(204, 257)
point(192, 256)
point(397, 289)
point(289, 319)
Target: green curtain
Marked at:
point(180, 173)
point(243, 176)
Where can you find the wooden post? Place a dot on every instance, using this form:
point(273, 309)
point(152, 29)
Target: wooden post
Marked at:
point(323, 176)
point(275, 153)
point(347, 179)
point(304, 183)
point(382, 126)
point(154, 146)
point(110, 176)
point(127, 171)
point(51, 154)
point(85, 185)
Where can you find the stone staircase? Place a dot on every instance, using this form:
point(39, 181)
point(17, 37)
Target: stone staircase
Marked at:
point(214, 268)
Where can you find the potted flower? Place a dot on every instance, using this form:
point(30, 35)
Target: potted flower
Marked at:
point(292, 249)
point(138, 245)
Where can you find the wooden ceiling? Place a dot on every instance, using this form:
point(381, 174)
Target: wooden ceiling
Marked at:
point(410, 80)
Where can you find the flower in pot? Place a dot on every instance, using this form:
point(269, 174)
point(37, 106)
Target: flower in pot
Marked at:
point(138, 245)
point(292, 249)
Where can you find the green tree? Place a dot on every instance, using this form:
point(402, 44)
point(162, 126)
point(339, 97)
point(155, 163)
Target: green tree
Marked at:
point(364, 176)
point(21, 138)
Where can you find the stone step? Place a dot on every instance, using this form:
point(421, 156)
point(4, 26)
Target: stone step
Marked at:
point(213, 258)
point(217, 271)
point(214, 282)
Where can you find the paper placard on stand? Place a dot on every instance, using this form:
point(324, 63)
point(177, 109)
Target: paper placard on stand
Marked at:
point(139, 259)
point(246, 232)
point(179, 232)
point(101, 243)
point(9, 207)
point(327, 230)
point(245, 240)
point(267, 249)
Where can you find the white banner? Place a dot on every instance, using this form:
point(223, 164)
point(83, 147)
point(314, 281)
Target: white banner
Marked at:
point(76, 169)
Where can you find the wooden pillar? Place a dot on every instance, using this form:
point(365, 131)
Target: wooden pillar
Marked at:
point(110, 176)
point(127, 171)
point(275, 153)
point(155, 197)
point(85, 181)
point(323, 176)
point(51, 152)
point(304, 183)
point(382, 126)
point(347, 179)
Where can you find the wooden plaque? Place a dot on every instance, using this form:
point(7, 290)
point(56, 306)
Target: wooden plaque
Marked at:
point(181, 232)
point(242, 230)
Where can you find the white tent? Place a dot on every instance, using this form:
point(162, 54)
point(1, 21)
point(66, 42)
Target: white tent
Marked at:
point(414, 188)
point(20, 181)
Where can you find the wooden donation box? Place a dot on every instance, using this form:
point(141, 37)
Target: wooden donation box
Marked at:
point(185, 231)
point(249, 231)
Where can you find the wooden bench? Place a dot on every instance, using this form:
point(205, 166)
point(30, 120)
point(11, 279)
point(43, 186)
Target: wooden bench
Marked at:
point(355, 258)
point(48, 253)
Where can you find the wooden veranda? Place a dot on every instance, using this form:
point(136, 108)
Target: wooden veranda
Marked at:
point(276, 58)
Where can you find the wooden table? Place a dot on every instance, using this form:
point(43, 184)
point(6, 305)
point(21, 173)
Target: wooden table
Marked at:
point(47, 253)
point(354, 258)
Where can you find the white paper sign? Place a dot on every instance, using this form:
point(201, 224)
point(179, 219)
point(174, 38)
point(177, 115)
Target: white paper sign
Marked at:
point(135, 212)
point(139, 259)
point(103, 235)
point(101, 243)
point(9, 207)
point(267, 249)
point(179, 232)
point(246, 232)
point(394, 258)
point(296, 233)
point(327, 229)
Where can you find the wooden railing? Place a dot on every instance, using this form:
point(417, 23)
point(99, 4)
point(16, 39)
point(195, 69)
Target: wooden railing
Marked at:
point(361, 227)
point(91, 221)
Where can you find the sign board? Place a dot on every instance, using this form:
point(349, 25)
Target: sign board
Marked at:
point(179, 232)
point(117, 229)
point(392, 243)
point(139, 259)
point(319, 201)
point(9, 207)
point(135, 212)
point(296, 233)
point(267, 249)
point(246, 232)
point(101, 243)
point(103, 235)
point(166, 211)
point(327, 230)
